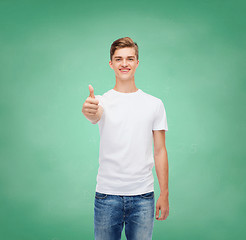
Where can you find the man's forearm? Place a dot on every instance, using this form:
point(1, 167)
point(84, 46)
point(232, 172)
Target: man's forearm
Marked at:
point(161, 167)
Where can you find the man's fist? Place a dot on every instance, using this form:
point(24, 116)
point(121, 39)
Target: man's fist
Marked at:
point(91, 109)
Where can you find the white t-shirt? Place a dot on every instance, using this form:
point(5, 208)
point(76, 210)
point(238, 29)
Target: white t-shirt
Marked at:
point(126, 141)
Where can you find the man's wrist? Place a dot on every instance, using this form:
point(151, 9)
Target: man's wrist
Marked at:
point(97, 119)
point(94, 121)
point(164, 193)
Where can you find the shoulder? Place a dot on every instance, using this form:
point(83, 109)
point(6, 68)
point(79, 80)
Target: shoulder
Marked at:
point(154, 101)
point(104, 98)
point(101, 96)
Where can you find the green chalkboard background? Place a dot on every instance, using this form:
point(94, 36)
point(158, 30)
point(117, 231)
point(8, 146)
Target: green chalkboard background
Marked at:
point(192, 56)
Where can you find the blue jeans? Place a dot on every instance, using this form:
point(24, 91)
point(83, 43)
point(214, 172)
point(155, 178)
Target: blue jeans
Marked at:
point(112, 211)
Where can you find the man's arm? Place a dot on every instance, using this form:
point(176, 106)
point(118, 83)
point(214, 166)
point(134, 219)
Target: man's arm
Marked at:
point(161, 167)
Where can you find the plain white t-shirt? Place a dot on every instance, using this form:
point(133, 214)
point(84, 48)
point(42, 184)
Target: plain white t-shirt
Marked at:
point(126, 141)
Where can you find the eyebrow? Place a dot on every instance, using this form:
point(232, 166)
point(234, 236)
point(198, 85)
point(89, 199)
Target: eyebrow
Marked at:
point(127, 56)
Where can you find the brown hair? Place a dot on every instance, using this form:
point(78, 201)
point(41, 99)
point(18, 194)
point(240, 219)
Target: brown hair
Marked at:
point(122, 43)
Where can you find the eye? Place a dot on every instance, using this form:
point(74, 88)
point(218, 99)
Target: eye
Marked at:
point(131, 59)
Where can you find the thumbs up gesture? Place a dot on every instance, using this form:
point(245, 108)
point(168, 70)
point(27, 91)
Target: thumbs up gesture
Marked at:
point(91, 110)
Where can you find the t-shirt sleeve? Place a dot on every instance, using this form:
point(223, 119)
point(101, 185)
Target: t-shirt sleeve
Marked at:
point(160, 121)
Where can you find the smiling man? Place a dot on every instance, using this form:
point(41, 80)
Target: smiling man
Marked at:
point(129, 121)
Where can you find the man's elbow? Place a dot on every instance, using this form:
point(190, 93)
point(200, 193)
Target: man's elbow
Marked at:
point(160, 151)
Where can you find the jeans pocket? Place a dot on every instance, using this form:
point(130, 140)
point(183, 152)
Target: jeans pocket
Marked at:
point(100, 195)
point(148, 195)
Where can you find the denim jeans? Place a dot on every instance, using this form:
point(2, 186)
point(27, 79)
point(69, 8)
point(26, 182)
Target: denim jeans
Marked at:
point(111, 212)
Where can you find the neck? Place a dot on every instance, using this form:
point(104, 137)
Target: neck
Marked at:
point(125, 87)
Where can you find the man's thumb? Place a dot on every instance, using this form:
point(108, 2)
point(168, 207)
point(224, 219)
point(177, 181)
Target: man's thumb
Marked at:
point(91, 91)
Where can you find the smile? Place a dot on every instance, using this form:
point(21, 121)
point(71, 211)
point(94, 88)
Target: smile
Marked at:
point(124, 70)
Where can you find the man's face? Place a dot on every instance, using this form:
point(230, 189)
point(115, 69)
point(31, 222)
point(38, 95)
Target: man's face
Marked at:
point(124, 62)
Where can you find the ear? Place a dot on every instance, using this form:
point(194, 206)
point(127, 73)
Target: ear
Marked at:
point(137, 63)
point(110, 64)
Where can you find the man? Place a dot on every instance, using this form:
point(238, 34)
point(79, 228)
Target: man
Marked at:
point(129, 120)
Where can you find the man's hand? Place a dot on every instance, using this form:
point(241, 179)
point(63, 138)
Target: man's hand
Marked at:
point(91, 108)
point(163, 205)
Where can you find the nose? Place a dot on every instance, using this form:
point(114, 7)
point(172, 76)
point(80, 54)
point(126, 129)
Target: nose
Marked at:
point(124, 63)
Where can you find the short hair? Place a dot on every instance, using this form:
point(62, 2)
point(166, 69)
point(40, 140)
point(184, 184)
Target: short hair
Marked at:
point(123, 43)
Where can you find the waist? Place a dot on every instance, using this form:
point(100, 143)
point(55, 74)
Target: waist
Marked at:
point(125, 186)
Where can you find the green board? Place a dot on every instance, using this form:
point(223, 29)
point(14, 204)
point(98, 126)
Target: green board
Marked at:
point(192, 57)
